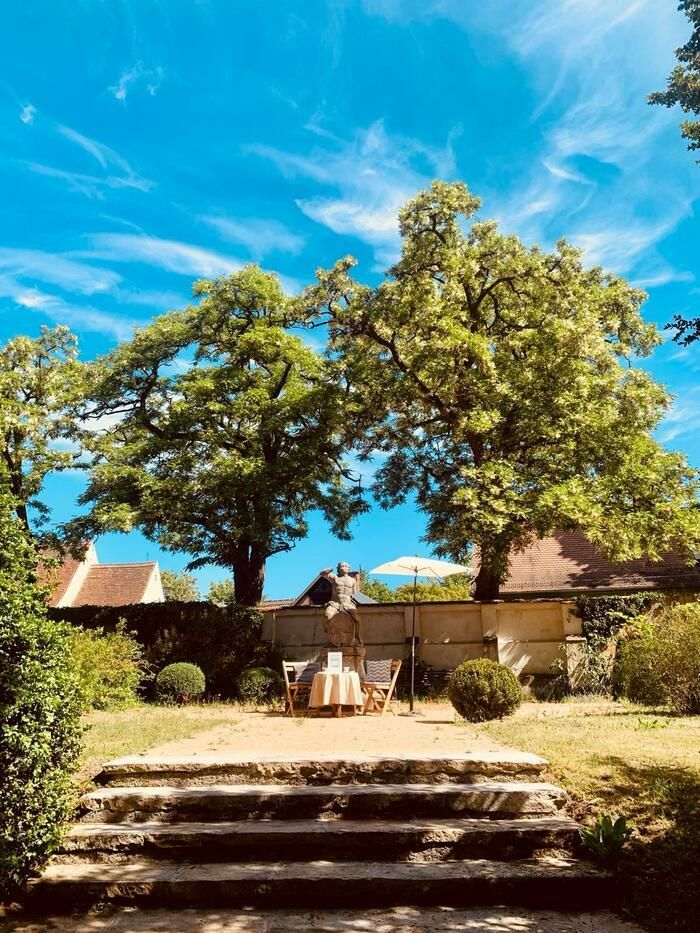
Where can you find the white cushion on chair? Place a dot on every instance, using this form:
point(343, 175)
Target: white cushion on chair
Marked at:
point(378, 672)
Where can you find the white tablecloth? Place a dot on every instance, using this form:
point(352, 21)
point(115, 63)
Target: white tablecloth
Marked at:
point(332, 689)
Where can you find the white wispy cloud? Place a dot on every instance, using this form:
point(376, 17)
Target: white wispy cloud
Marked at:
point(27, 113)
point(172, 255)
point(683, 417)
point(57, 269)
point(139, 75)
point(91, 186)
point(59, 311)
point(260, 237)
point(590, 65)
point(372, 175)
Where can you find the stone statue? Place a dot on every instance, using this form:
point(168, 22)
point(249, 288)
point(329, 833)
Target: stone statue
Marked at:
point(343, 585)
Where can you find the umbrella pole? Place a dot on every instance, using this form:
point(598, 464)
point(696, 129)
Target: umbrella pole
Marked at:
point(413, 645)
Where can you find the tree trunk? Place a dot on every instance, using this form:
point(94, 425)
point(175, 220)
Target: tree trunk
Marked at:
point(23, 515)
point(248, 575)
point(488, 579)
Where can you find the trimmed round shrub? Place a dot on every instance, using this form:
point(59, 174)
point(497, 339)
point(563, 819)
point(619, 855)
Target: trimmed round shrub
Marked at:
point(260, 685)
point(483, 689)
point(40, 706)
point(180, 683)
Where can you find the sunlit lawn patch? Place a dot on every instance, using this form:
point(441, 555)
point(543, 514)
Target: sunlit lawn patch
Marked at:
point(623, 759)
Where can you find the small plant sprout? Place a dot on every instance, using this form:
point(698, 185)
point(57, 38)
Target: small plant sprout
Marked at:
point(605, 838)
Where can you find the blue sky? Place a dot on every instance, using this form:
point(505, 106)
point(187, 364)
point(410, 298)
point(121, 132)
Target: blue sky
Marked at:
point(146, 143)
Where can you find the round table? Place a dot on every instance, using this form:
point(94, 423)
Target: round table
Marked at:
point(336, 688)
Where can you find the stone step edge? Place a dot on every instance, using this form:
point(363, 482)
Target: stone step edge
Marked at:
point(463, 826)
point(557, 866)
point(304, 790)
point(134, 764)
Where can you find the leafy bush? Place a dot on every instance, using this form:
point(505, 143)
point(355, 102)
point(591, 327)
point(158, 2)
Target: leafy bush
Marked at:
point(39, 713)
point(260, 685)
point(605, 839)
point(659, 660)
point(223, 641)
point(109, 666)
point(483, 689)
point(603, 618)
point(180, 683)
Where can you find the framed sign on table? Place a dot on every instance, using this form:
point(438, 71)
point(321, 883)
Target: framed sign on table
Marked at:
point(335, 662)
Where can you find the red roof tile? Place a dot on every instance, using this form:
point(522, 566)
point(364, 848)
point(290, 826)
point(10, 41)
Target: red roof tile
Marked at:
point(567, 562)
point(57, 577)
point(115, 584)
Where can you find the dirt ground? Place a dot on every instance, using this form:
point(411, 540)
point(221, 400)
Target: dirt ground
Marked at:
point(433, 731)
point(405, 919)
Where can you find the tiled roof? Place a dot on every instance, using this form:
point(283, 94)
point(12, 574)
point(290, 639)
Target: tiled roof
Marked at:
point(115, 584)
point(567, 562)
point(269, 604)
point(57, 577)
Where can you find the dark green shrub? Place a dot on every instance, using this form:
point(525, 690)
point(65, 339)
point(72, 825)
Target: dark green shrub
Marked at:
point(260, 685)
point(603, 616)
point(223, 641)
point(39, 713)
point(483, 689)
point(180, 683)
point(659, 659)
point(109, 666)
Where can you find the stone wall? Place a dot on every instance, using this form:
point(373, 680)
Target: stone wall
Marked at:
point(527, 635)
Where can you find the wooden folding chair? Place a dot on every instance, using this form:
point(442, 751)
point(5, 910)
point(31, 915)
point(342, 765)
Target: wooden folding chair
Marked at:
point(380, 694)
point(294, 687)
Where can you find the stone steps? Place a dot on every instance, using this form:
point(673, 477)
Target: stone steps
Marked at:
point(140, 770)
point(323, 832)
point(230, 802)
point(311, 840)
point(547, 882)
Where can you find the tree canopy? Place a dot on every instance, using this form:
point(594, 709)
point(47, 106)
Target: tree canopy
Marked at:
point(179, 586)
point(497, 380)
point(222, 593)
point(40, 382)
point(231, 429)
point(456, 587)
point(683, 85)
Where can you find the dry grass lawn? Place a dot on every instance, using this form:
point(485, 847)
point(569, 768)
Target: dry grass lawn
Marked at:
point(621, 759)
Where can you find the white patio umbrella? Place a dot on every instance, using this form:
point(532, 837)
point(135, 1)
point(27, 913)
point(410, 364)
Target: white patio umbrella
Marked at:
point(418, 567)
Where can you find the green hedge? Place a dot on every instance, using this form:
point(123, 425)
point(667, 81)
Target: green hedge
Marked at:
point(40, 706)
point(223, 641)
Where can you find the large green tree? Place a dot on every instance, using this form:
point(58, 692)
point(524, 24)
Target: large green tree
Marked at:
point(684, 81)
point(508, 406)
point(179, 586)
point(40, 383)
point(232, 429)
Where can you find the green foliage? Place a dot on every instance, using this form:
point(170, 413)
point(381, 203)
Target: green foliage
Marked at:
point(496, 378)
point(109, 666)
point(455, 587)
point(260, 685)
point(179, 586)
point(222, 593)
point(603, 616)
point(40, 383)
point(684, 81)
point(180, 683)
point(482, 689)
point(39, 712)
point(223, 455)
point(605, 839)
point(223, 641)
point(659, 660)
point(451, 588)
